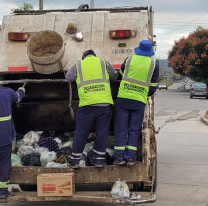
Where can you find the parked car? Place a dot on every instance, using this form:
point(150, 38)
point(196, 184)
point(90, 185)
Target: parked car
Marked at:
point(181, 85)
point(162, 86)
point(198, 89)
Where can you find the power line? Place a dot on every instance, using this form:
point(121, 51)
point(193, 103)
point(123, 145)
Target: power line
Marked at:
point(109, 3)
point(185, 24)
point(177, 22)
point(48, 4)
point(101, 3)
point(114, 3)
point(11, 2)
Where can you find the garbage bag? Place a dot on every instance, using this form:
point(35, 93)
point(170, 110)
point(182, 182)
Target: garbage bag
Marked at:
point(120, 190)
point(90, 159)
point(87, 148)
point(59, 142)
point(47, 157)
point(49, 143)
point(56, 165)
point(19, 143)
point(16, 160)
point(82, 162)
point(25, 150)
point(48, 134)
point(110, 156)
point(31, 138)
point(31, 160)
point(19, 136)
point(66, 151)
point(40, 150)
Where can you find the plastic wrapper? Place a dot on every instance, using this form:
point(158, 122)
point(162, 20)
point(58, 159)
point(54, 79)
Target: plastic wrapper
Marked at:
point(120, 190)
point(82, 162)
point(59, 142)
point(16, 160)
point(40, 150)
point(61, 159)
point(47, 157)
point(25, 150)
point(56, 165)
point(31, 160)
point(31, 138)
point(68, 144)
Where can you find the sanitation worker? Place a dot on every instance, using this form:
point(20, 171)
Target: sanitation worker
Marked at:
point(93, 76)
point(139, 80)
point(7, 134)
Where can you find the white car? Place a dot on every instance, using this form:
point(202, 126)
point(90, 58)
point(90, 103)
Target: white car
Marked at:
point(181, 85)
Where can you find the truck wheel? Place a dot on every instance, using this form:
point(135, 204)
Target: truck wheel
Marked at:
point(28, 187)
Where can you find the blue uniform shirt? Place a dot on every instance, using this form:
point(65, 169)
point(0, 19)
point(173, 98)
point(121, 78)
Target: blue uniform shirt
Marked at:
point(7, 97)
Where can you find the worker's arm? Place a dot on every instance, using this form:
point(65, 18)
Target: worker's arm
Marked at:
point(121, 71)
point(18, 95)
point(113, 74)
point(71, 75)
point(154, 80)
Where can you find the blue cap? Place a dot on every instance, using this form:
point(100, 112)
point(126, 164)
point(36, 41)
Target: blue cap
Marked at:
point(145, 49)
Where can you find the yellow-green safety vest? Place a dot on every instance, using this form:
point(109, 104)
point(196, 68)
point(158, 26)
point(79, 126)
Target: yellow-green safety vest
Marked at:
point(136, 78)
point(93, 82)
point(3, 119)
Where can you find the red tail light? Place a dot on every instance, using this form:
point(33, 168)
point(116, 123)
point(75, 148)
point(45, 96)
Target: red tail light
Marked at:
point(206, 89)
point(18, 36)
point(192, 89)
point(120, 34)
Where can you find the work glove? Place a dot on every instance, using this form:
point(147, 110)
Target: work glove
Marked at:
point(22, 89)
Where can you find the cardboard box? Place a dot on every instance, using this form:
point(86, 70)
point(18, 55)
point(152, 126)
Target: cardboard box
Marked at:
point(56, 184)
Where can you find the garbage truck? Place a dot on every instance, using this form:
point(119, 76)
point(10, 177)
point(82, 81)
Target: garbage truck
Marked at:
point(37, 47)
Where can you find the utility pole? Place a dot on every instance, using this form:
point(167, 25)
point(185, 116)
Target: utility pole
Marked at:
point(92, 4)
point(40, 4)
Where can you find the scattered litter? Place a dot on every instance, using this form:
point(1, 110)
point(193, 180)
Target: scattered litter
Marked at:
point(120, 190)
point(134, 196)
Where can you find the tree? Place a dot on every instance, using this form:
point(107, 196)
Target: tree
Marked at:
point(27, 7)
point(189, 56)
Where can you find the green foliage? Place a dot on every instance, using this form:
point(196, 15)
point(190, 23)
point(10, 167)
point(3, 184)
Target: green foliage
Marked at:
point(27, 7)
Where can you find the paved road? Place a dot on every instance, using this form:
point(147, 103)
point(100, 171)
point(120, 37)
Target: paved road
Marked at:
point(182, 150)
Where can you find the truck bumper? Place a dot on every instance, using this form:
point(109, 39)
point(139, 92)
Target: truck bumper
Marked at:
point(101, 197)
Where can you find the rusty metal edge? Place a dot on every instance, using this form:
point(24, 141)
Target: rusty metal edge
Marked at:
point(79, 198)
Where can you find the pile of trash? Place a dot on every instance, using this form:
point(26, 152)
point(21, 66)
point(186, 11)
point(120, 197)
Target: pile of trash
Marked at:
point(51, 149)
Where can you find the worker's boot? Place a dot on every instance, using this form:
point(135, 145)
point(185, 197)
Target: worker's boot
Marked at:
point(120, 162)
point(131, 162)
point(100, 163)
point(4, 193)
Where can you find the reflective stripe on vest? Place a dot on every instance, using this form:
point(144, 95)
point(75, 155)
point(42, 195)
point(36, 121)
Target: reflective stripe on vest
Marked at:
point(82, 82)
point(2, 119)
point(134, 81)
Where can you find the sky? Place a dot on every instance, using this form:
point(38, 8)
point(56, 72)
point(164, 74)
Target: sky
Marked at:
point(173, 19)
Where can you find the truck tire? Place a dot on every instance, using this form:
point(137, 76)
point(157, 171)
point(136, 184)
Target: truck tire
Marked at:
point(25, 187)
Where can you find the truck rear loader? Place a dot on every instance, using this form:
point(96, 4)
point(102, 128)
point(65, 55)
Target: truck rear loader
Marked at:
point(37, 48)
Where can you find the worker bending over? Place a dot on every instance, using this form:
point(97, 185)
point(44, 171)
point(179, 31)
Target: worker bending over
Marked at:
point(93, 76)
point(139, 80)
point(7, 134)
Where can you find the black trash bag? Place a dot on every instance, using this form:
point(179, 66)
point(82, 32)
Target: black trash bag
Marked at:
point(31, 160)
point(48, 134)
point(110, 156)
point(90, 160)
point(19, 136)
point(66, 151)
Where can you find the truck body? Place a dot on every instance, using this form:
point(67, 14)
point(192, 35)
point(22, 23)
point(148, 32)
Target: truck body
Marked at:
point(45, 107)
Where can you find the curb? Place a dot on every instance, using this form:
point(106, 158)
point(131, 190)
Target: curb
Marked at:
point(204, 120)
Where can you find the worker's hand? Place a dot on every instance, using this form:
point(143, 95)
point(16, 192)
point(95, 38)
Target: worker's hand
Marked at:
point(22, 88)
